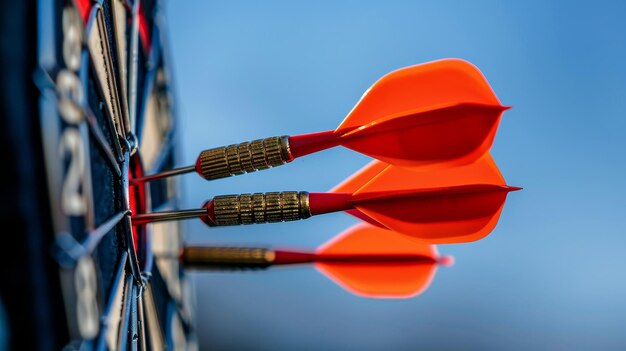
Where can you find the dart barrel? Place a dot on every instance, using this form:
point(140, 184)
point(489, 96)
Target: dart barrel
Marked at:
point(261, 208)
point(242, 158)
point(233, 257)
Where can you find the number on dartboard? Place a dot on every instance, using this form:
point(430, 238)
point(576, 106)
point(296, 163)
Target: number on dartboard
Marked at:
point(86, 289)
point(73, 150)
point(72, 200)
point(71, 94)
point(72, 38)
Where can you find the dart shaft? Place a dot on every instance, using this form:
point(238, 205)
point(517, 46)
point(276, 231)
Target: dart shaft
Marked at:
point(304, 144)
point(167, 216)
point(165, 174)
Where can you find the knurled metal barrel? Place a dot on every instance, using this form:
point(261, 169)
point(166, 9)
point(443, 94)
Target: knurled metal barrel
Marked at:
point(242, 158)
point(227, 257)
point(261, 207)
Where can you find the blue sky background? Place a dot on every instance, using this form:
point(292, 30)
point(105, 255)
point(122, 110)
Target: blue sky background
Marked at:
point(550, 276)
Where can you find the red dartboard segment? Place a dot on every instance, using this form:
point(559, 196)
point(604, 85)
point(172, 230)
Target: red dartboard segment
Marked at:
point(84, 7)
point(144, 30)
point(138, 203)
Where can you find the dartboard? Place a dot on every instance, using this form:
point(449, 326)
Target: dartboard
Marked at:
point(89, 109)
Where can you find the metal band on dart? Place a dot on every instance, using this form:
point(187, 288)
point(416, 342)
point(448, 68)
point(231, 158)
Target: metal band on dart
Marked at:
point(242, 158)
point(193, 256)
point(260, 208)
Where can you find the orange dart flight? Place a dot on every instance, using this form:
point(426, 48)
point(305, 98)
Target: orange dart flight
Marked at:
point(365, 260)
point(441, 113)
point(442, 206)
point(459, 204)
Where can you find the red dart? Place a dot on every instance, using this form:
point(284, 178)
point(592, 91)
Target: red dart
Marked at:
point(441, 206)
point(441, 113)
point(365, 260)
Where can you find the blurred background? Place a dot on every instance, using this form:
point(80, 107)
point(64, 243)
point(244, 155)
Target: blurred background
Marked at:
point(549, 277)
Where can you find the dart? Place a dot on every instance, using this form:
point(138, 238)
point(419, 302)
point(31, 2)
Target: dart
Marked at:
point(441, 113)
point(365, 260)
point(448, 205)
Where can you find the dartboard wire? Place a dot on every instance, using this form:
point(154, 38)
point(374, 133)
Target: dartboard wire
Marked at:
point(108, 89)
point(142, 318)
point(120, 279)
point(94, 237)
point(102, 143)
point(74, 250)
point(124, 323)
point(133, 68)
point(134, 314)
point(44, 83)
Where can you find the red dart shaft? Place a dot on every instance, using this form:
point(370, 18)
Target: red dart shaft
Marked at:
point(292, 257)
point(301, 145)
point(320, 203)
